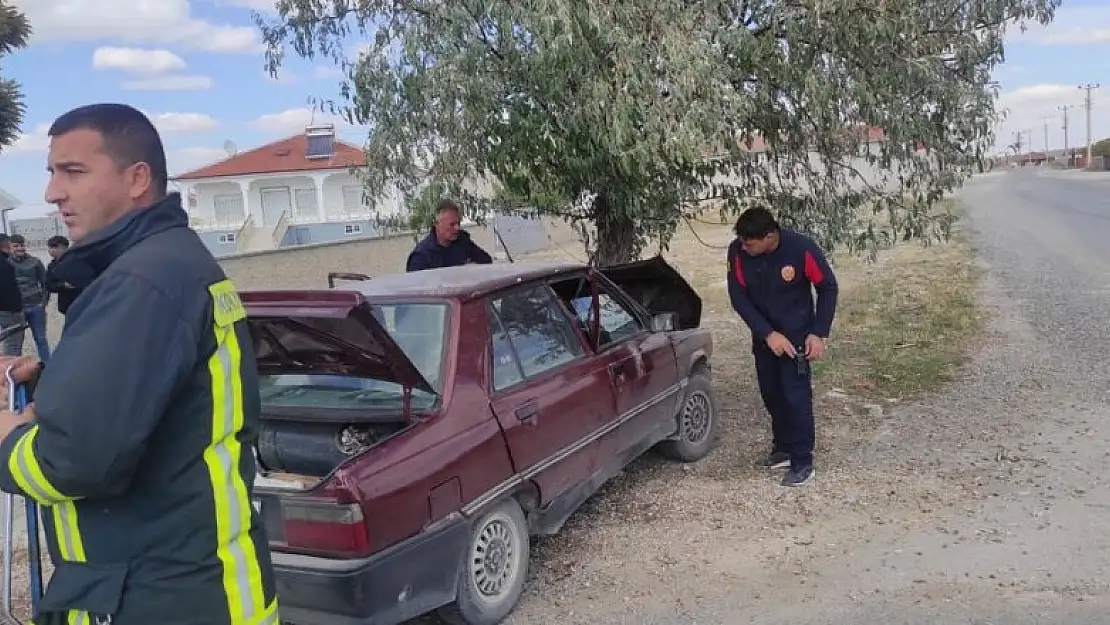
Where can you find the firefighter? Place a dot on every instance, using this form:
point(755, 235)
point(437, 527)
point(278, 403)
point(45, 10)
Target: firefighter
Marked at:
point(137, 445)
point(772, 275)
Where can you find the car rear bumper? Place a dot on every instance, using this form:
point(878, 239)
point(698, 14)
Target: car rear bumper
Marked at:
point(401, 583)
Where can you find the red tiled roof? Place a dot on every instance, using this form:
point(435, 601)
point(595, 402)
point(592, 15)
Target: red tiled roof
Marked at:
point(286, 155)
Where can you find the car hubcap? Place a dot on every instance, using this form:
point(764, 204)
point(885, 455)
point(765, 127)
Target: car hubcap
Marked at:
point(696, 415)
point(493, 558)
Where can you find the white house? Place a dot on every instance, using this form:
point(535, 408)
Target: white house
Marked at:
point(294, 191)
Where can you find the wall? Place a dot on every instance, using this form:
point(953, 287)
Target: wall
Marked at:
point(211, 240)
point(308, 266)
point(306, 234)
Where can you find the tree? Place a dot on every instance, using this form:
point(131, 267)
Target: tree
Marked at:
point(626, 117)
point(14, 33)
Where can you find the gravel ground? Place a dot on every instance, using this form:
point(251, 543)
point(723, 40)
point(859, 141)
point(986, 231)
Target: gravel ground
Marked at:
point(979, 504)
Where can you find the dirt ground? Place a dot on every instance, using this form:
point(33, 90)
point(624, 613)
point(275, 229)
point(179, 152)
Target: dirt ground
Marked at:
point(662, 535)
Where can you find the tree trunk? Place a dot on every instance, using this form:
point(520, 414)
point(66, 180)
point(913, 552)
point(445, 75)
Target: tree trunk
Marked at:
point(616, 240)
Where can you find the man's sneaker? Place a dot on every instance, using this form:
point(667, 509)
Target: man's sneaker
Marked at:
point(798, 477)
point(777, 460)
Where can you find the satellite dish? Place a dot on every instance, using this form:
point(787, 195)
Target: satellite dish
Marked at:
point(229, 147)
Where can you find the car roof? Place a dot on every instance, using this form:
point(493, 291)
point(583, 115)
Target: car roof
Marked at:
point(466, 281)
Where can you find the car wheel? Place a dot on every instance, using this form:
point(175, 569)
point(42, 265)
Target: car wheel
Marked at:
point(493, 573)
point(698, 421)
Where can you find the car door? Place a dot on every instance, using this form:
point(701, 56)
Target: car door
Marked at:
point(551, 397)
point(642, 366)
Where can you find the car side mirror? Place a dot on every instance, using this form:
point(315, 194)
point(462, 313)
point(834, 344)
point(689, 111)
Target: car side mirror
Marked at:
point(664, 322)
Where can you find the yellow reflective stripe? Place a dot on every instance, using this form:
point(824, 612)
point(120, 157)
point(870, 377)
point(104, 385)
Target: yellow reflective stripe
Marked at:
point(70, 547)
point(242, 576)
point(78, 617)
point(27, 473)
point(227, 308)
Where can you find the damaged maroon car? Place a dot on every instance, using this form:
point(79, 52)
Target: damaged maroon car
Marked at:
point(418, 428)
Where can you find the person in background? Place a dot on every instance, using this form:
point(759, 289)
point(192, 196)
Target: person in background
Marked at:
point(30, 273)
point(772, 275)
point(70, 280)
point(11, 303)
point(446, 245)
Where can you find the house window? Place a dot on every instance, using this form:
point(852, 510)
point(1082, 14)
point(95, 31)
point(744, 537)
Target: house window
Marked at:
point(228, 209)
point(305, 206)
point(226, 238)
point(352, 229)
point(352, 199)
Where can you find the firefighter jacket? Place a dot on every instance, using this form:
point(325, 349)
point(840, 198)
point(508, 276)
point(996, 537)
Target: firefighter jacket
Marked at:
point(140, 451)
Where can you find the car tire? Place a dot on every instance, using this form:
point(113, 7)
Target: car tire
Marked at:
point(698, 421)
point(494, 568)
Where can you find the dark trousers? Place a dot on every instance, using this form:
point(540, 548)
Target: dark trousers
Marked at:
point(788, 395)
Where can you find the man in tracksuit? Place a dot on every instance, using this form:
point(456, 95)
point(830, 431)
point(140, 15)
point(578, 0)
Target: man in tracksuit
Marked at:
point(138, 444)
point(772, 273)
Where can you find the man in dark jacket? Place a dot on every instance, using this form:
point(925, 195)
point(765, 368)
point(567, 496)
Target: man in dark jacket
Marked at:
point(446, 245)
point(11, 302)
point(68, 287)
point(138, 444)
point(772, 274)
point(31, 275)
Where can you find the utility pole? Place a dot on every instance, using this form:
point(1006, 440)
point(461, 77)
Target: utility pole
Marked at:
point(1065, 108)
point(1046, 137)
point(1089, 87)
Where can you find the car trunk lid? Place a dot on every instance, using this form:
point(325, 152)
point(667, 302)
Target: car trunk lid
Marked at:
point(659, 288)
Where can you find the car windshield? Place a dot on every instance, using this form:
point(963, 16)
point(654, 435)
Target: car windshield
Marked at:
point(420, 329)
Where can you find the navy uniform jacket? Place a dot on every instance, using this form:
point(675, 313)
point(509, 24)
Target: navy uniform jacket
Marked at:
point(140, 451)
point(772, 292)
point(429, 254)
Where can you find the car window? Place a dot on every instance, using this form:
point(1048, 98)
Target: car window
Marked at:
point(533, 331)
point(617, 322)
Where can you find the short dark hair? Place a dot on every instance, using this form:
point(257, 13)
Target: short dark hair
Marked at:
point(128, 136)
point(446, 204)
point(57, 241)
point(18, 239)
point(755, 223)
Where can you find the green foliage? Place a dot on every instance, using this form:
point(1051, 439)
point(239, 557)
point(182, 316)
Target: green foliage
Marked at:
point(622, 117)
point(14, 32)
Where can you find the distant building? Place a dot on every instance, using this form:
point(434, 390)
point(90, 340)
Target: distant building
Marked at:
point(38, 230)
point(8, 203)
point(294, 191)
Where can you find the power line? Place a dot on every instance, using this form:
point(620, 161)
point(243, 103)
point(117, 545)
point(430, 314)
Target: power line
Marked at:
point(1089, 87)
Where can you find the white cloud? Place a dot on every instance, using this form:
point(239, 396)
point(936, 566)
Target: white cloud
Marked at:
point(164, 22)
point(188, 159)
point(294, 120)
point(262, 6)
point(1073, 25)
point(170, 83)
point(137, 60)
point(1031, 107)
point(183, 123)
point(29, 142)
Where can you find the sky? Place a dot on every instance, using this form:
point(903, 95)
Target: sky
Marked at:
point(196, 67)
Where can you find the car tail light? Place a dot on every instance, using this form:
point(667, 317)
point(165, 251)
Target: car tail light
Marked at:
point(326, 522)
point(324, 527)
